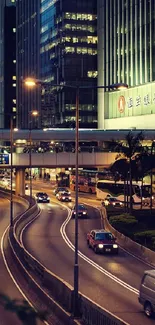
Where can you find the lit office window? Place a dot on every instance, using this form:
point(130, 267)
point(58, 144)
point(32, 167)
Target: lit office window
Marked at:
point(92, 74)
point(14, 30)
point(14, 77)
point(14, 85)
point(14, 101)
point(14, 61)
point(14, 109)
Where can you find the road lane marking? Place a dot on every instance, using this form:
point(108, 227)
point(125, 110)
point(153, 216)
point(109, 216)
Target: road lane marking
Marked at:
point(11, 274)
point(88, 260)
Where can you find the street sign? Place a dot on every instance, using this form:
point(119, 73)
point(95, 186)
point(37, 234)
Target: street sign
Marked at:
point(4, 159)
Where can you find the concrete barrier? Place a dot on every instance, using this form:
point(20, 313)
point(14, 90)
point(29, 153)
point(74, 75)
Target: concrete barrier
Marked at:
point(93, 314)
point(136, 249)
point(59, 295)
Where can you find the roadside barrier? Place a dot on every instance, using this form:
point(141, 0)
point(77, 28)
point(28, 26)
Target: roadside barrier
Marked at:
point(57, 295)
point(136, 249)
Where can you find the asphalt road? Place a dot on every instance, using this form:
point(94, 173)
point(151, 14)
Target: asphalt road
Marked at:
point(7, 285)
point(44, 240)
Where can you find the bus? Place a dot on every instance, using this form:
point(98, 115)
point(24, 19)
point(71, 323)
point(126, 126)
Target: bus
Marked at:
point(140, 192)
point(87, 179)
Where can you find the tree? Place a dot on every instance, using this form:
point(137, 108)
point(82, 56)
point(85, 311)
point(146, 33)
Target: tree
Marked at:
point(129, 149)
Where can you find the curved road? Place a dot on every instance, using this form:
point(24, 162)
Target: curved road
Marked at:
point(7, 285)
point(44, 241)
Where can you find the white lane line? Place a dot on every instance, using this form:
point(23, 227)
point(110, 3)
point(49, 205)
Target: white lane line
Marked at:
point(11, 275)
point(84, 257)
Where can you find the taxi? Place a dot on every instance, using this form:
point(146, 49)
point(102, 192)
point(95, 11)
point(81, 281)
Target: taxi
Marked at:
point(102, 241)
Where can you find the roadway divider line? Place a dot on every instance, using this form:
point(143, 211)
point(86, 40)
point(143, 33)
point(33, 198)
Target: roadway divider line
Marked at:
point(84, 257)
point(88, 306)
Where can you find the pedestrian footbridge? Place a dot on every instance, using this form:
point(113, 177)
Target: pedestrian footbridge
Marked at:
point(61, 159)
point(21, 161)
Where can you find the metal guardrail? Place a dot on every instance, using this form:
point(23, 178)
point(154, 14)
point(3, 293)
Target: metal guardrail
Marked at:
point(90, 312)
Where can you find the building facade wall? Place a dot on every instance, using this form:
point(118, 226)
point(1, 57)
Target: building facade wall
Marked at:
point(28, 59)
point(7, 63)
point(1, 63)
point(126, 47)
point(69, 56)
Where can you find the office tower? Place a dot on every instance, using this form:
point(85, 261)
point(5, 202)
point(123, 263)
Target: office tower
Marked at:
point(7, 62)
point(69, 56)
point(126, 50)
point(28, 59)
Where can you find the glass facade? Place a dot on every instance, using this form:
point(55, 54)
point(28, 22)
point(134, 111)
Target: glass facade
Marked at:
point(7, 62)
point(126, 44)
point(68, 48)
point(1, 64)
point(28, 59)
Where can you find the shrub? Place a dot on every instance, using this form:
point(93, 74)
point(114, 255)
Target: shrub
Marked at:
point(124, 223)
point(146, 238)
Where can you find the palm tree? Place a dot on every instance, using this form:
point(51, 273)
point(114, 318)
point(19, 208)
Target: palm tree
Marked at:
point(128, 149)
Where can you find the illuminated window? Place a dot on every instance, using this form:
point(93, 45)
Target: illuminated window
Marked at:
point(14, 30)
point(14, 109)
point(92, 39)
point(14, 61)
point(14, 77)
point(69, 49)
point(14, 85)
point(14, 101)
point(92, 74)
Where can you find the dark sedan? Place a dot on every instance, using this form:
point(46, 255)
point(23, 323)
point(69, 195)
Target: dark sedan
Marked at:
point(42, 197)
point(82, 211)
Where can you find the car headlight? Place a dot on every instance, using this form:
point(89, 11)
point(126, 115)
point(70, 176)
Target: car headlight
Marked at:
point(74, 212)
point(69, 193)
point(69, 197)
point(40, 198)
point(121, 203)
point(113, 203)
point(115, 246)
point(100, 245)
point(143, 198)
point(84, 212)
point(152, 197)
point(63, 197)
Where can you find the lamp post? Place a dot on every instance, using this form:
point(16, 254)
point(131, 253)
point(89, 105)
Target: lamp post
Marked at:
point(32, 83)
point(32, 113)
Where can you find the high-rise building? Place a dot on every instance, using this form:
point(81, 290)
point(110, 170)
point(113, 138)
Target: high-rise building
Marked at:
point(28, 59)
point(126, 50)
point(7, 62)
point(69, 56)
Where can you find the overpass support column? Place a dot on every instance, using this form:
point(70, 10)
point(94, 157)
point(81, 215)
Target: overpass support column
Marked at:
point(20, 181)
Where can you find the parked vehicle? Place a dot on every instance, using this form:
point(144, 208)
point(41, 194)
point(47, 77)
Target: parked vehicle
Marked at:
point(102, 241)
point(147, 292)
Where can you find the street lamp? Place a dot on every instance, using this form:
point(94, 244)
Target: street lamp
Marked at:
point(32, 83)
point(32, 113)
